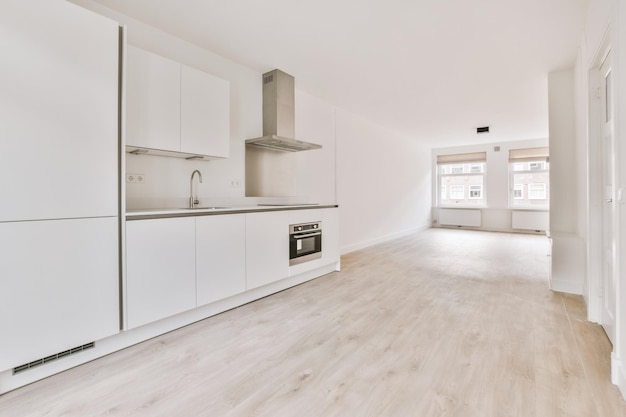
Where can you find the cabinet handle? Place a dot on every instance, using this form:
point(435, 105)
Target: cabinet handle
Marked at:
point(306, 235)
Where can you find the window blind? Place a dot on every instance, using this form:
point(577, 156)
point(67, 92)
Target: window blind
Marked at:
point(529, 154)
point(462, 157)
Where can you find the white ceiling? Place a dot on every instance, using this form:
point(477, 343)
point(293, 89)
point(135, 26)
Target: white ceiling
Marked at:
point(431, 69)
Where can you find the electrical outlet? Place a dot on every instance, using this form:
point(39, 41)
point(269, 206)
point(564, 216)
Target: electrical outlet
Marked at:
point(135, 178)
point(234, 183)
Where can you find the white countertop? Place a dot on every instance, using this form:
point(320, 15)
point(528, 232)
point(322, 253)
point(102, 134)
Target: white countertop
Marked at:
point(150, 213)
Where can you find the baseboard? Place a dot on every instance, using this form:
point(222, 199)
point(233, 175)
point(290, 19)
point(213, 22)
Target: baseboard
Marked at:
point(493, 229)
point(617, 374)
point(381, 239)
point(566, 286)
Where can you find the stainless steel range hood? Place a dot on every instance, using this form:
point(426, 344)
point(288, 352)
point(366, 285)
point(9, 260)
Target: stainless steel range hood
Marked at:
point(279, 115)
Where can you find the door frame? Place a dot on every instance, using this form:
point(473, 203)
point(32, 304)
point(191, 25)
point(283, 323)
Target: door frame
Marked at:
point(595, 201)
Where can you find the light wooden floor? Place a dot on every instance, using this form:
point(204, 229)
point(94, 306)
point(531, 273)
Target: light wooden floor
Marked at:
point(443, 323)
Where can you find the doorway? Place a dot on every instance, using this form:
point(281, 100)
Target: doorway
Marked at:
point(607, 146)
point(602, 270)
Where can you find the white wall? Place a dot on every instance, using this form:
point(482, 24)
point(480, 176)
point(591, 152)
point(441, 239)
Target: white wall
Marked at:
point(619, 61)
point(563, 167)
point(383, 183)
point(568, 248)
point(315, 122)
point(496, 215)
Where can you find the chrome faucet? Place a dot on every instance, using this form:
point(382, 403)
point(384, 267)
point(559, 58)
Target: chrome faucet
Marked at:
point(193, 199)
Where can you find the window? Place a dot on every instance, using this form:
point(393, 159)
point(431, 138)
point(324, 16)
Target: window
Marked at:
point(457, 192)
point(456, 169)
point(460, 179)
point(529, 176)
point(475, 192)
point(537, 191)
point(536, 166)
point(475, 168)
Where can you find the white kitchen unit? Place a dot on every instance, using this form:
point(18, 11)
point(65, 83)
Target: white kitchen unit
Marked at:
point(220, 257)
point(59, 102)
point(152, 100)
point(305, 216)
point(59, 284)
point(59, 179)
point(205, 114)
point(175, 109)
point(330, 237)
point(267, 248)
point(160, 269)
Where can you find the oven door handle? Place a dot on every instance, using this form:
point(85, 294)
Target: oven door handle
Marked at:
point(306, 235)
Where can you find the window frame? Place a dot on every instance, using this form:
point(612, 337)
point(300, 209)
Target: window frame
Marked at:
point(461, 171)
point(525, 165)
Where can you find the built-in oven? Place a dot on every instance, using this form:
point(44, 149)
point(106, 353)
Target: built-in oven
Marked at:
point(305, 242)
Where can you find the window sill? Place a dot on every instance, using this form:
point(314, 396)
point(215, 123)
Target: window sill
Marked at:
point(530, 208)
point(462, 207)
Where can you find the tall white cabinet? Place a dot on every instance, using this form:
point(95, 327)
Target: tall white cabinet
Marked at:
point(58, 179)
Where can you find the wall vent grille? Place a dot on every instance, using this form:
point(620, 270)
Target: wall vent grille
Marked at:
point(268, 79)
point(48, 359)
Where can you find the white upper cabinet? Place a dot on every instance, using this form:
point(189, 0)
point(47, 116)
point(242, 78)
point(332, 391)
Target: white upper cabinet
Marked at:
point(175, 108)
point(205, 114)
point(152, 100)
point(59, 107)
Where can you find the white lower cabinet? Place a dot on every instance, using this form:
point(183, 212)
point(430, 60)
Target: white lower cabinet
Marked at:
point(220, 257)
point(267, 248)
point(177, 264)
point(160, 269)
point(59, 281)
point(330, 235)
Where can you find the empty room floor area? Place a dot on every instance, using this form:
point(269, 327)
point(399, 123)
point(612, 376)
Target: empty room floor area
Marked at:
point(440, 323)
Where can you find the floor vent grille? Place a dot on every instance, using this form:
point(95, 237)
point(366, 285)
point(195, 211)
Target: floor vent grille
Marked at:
point(48, 359)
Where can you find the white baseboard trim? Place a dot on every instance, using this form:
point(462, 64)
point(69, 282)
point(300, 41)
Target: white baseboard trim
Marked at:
point(566, 286)
point(381, 239)
point(617, 374)
point(493, 229)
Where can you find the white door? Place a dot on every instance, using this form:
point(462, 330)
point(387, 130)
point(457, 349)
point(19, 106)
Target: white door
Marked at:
point(609, 283)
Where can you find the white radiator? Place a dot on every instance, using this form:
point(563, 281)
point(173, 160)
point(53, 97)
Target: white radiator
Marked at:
point(460, 217)
point(530, 220)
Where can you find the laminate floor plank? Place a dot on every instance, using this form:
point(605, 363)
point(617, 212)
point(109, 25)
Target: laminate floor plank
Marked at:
point(443, 323)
